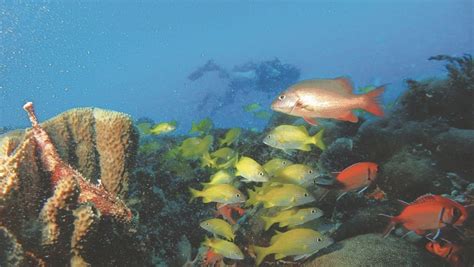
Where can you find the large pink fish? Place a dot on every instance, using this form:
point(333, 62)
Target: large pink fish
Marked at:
point(326, 98)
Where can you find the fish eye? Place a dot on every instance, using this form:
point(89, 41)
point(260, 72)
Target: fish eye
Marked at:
point(305, 194)
point(310, 171)
point(283, 162)
point(260, 173)
point(319, 239)
point(313, 211)
point(281, 97)
point(237, 195)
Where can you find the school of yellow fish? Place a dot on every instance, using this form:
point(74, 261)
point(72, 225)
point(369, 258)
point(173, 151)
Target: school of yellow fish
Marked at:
point(278, 186)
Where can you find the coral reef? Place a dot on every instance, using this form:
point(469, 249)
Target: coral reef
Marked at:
point(48, 205)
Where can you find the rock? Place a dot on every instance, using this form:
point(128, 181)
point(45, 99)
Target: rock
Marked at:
point(407, 176)
point(374, 250)
point(338, 155)
point(454, 151)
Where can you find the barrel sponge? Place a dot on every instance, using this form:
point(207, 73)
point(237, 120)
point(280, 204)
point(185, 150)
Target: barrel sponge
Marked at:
point(117, 141)
point(11, 252)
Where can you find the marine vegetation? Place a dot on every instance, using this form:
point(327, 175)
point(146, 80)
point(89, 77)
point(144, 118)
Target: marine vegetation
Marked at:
point(393, 190)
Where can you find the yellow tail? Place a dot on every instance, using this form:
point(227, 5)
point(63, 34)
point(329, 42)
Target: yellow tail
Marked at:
point(267, 221)
point(317, 139)
point(260, 252)
point(207, 161)
point(252, 198)
point(194, 194)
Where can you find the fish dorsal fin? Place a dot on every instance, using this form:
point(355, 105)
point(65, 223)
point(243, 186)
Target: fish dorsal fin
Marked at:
point(425, 199)
point(346, 84)
point(302, 128)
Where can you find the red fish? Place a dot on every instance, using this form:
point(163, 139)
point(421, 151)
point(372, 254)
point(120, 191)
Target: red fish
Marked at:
point(449, 251)
point(326, 98)
point(427, 213)
point(212, 258)
point(357, 176)
point(228, 211)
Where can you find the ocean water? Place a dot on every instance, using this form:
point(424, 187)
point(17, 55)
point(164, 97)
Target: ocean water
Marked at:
point(181, 77)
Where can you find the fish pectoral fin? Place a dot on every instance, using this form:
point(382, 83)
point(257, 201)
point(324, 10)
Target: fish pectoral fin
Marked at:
point(349, 117)
point(289, 152)
point(311, 121)
point(301, 257)
point(305, 148)
point(362, 190)
point(279, 256)
point(305, 247)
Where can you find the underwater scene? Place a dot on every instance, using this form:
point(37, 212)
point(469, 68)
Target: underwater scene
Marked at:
point(237, 133)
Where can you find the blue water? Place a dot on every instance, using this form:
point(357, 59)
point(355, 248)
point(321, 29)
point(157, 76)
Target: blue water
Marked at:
point(136, 57)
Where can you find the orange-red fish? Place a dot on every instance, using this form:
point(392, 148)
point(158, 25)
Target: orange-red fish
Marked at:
point(327, 98)
point(212, 258)
point(449, 251)
point(357, 176)
point(228, 211)
point(429, 212)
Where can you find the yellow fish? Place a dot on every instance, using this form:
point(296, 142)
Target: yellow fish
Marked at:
point(195, 146)
point(252, 107)
point(164, 127)
point(289, 137)
point(285, 195)
point(218, 227)
point(220, 193)
point(225, 157)
point(292, 217)
point(251, 170)
point(230, 137)
point(225, 248)
point(224, 153)
point(300, 243)
point(144, 128)
point(298, 174)
point(220, 177)
point(263, 114)
point(202, 127)
point(207, 161)
point(275, 165)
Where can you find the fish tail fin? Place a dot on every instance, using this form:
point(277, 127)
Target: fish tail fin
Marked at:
point(317, 139)
point(260, 252)
point(194, 194)
point(207, 161)
point(252, 198)
point(390, 226)
point(371, 102)
point(267, 221)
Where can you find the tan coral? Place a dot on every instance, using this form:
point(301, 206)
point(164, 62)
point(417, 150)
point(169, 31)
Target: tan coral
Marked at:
point(41, 175)
point(85, 224)
point(11, 252)
point(64, 199)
